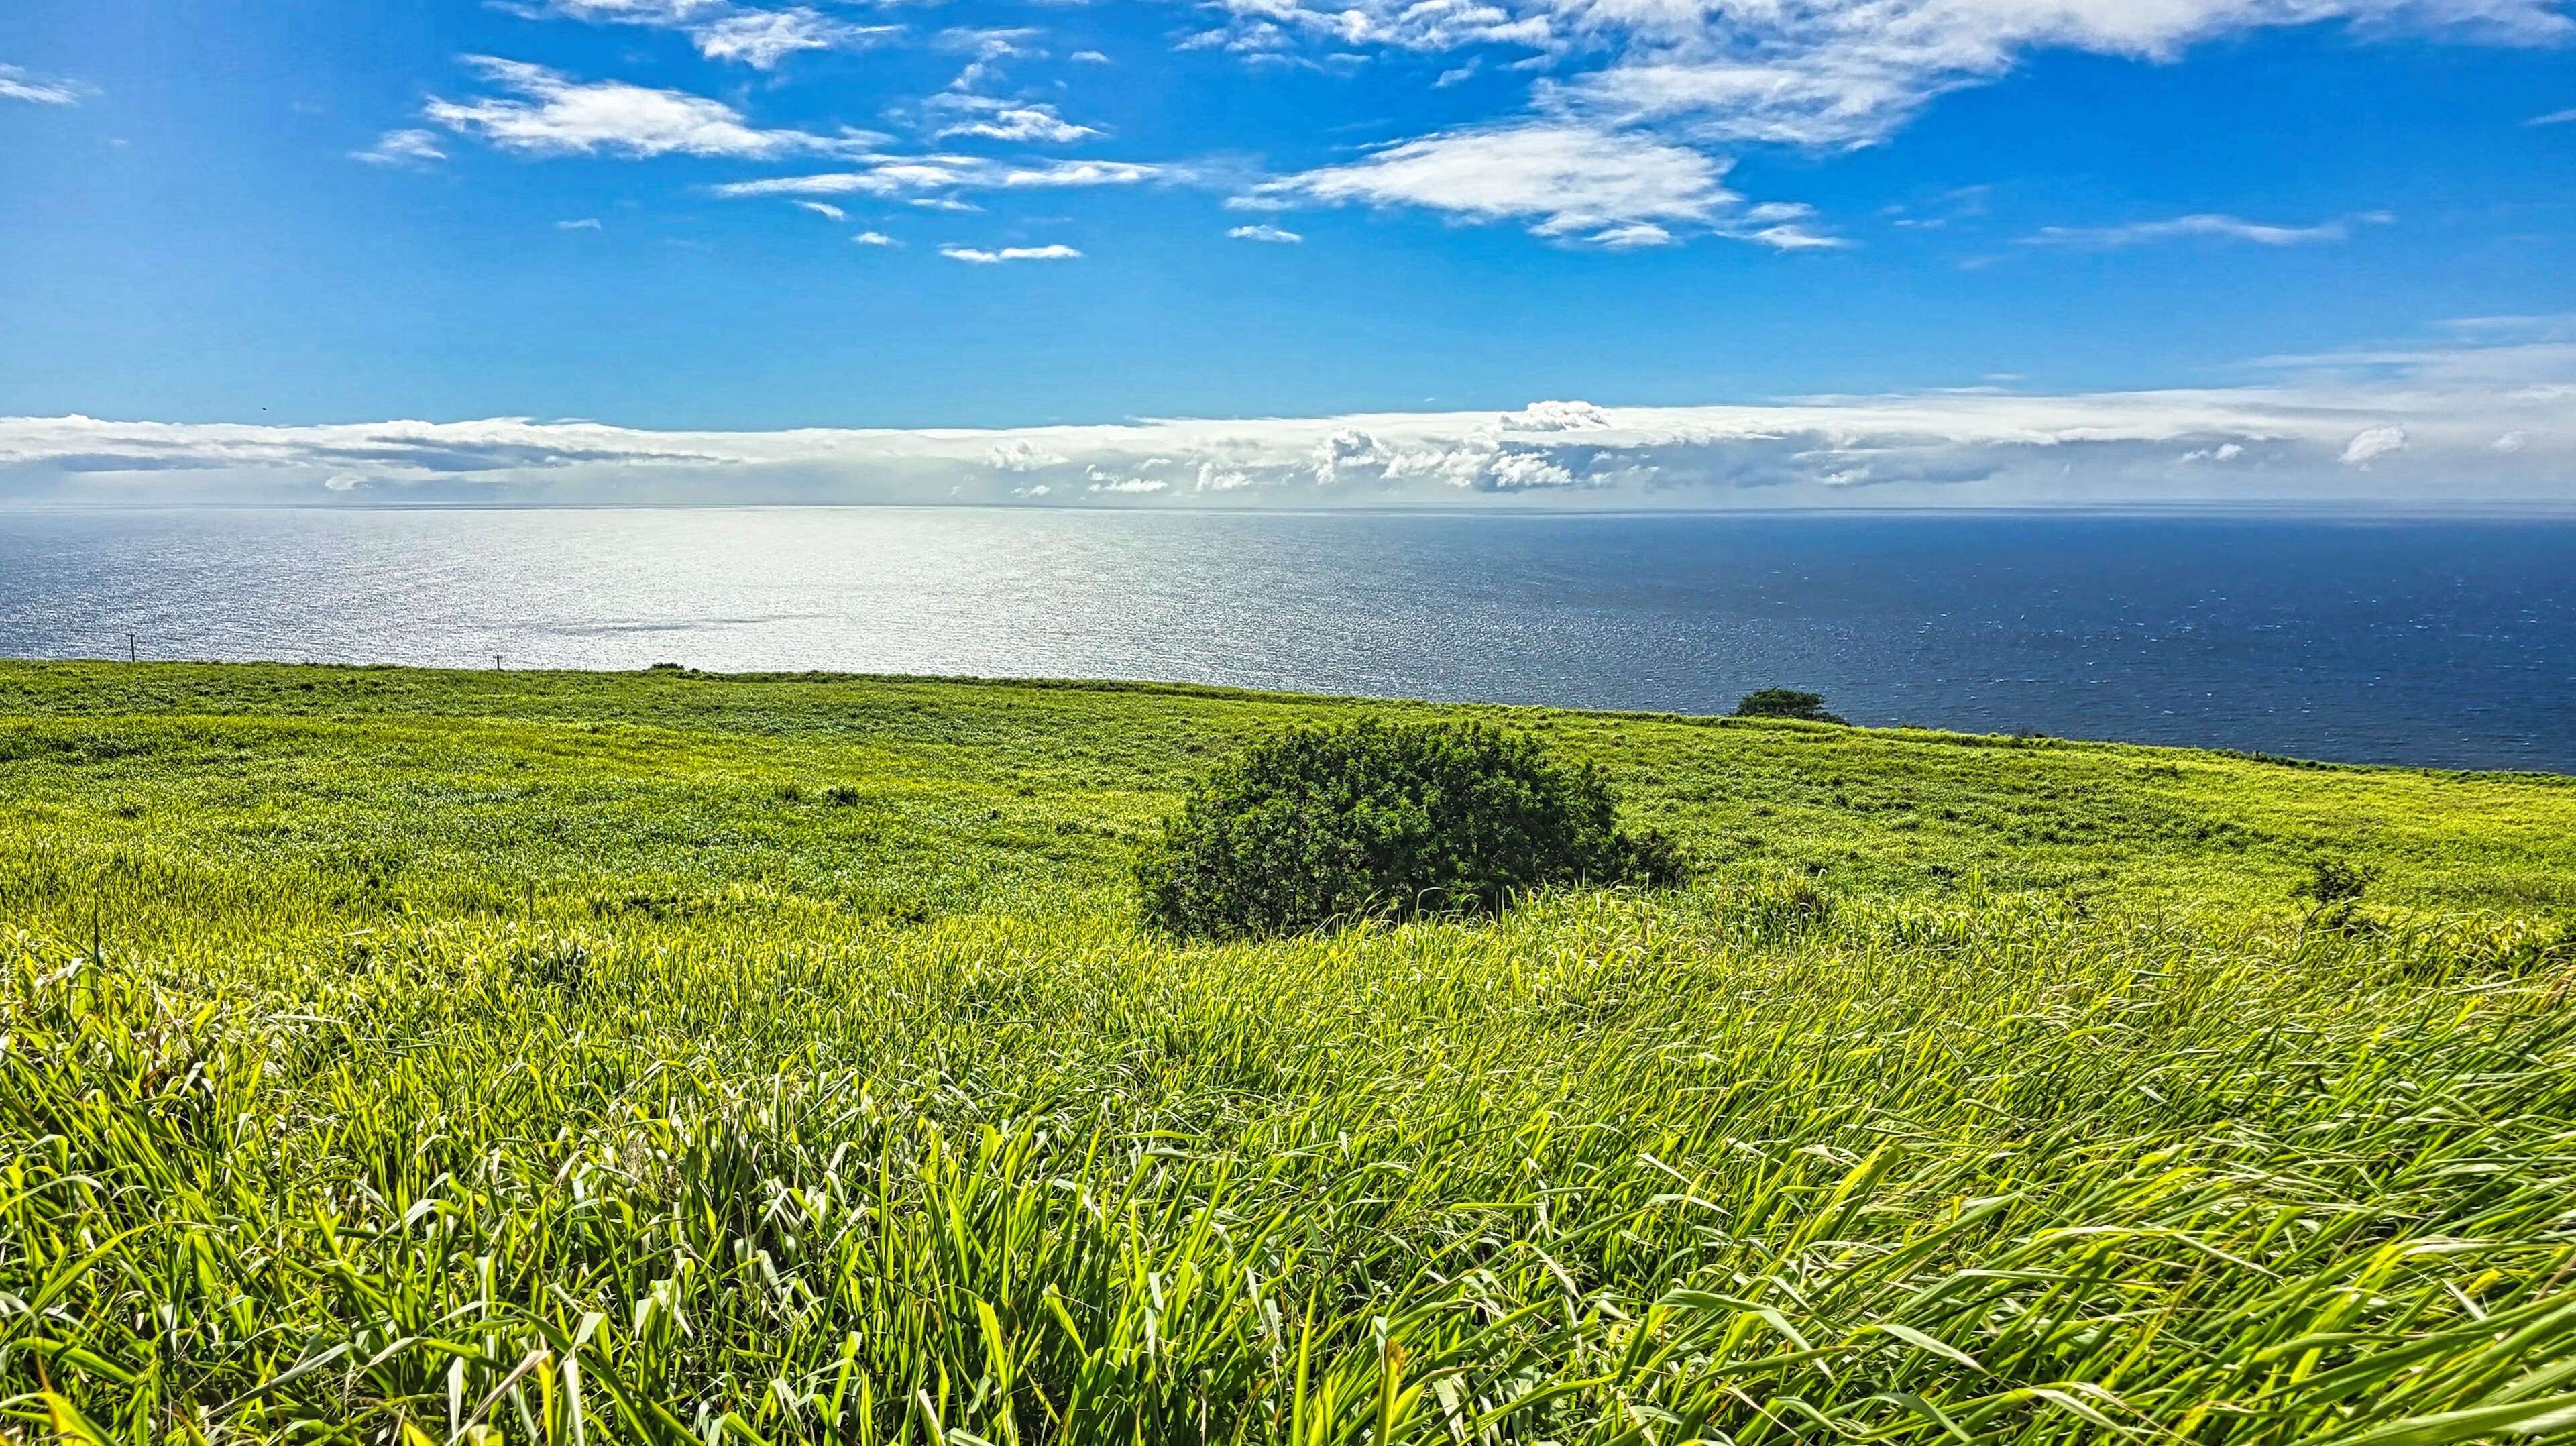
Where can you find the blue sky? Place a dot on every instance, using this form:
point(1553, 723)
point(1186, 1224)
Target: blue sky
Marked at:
point(711, 216)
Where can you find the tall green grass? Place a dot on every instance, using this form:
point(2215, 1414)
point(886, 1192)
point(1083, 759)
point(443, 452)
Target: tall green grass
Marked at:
point(1741, 1165)
point(409, 1058)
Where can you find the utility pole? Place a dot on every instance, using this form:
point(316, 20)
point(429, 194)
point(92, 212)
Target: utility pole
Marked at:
point(131, 655)
point(496, 662)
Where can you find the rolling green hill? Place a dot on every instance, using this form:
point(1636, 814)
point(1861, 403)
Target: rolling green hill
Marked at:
point(392, 1055)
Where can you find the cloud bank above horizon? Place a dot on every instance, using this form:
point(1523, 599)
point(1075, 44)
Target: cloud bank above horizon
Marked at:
point(2488, 417)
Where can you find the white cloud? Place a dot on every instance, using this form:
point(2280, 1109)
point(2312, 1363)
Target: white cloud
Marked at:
point(403, 148)
point(1010, 253)
point(1660, 80)
point(722, 30)
point(18, 84)
point(2554, 118)
point(1079, 173)
point(2510, 443)
point(1822, 72)
point(586, 223)
point(2372, 444)
point(1264, 232)
point(989, 45)
point(2224, 452)
point(1002, 120)
point(762, 38)
point(875, 238)
point(1557, 417)
point(2419, 428)
point(931, 178)
point(824, 209)
point(1635, 236)
point(1089, 57)
point(1022, 455)
point(2224, 228)
point(555, 115)
point(1568, 182)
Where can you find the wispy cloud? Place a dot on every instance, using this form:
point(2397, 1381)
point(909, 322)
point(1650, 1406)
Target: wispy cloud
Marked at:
point(2210, 226)
point(550, 114)
point(2554, 118)
point(875, 238)
point(1568, 182)
point(1657, 82)
point(1823, 72)
point(1265, 232)
point(958, 114)
point(403, 148)
point(724, 31)
point(1010, 253)
point(989, 46)
point(586, 223)
point(825, 209)
point(931, 179)
point(18, 84)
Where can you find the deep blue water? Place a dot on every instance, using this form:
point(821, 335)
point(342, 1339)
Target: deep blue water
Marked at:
point(2446, 643)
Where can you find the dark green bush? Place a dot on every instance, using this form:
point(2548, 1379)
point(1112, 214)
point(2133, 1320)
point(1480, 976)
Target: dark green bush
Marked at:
point(1333, 825)
point(2337, 884)
point(1785, 703)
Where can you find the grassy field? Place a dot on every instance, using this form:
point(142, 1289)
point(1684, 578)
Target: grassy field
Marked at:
point(398, 1056)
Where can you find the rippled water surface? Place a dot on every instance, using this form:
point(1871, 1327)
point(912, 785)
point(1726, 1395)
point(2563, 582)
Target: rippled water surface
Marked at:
point(2435, 643)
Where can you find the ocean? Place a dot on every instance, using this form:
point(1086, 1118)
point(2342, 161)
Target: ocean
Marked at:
point(2449, 643)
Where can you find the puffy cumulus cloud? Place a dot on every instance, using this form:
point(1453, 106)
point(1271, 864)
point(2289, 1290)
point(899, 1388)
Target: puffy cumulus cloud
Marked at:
point(2223, 228)
point(2415, 434)
point(1019, 454)
point(722, 30)
point(1348, 451)
point(1556, 417)
point(551, 114)
point(1275, 235)
point(2372, 444)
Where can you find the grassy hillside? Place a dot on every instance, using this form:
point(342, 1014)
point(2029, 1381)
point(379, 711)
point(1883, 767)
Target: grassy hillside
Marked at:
point(394, 1055)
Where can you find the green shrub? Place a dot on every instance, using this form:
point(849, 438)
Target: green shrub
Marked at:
point(2337, 884)
point(1332, 825)
point(1785, 703)
point(2333, 881)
